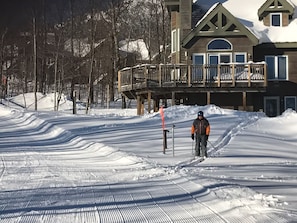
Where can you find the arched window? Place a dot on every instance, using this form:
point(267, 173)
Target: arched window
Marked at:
point(219, 44)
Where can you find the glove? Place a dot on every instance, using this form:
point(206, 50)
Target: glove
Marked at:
point(192, 136)
point(206, 137)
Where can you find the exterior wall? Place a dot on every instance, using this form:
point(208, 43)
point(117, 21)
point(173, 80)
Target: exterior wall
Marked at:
point(285, 19)
point(240, 44)
point(174, 20)
point(181, 20)
point(226, 100)
point(266, 20)
point(185, 17)
point(260, 53)
point(175, 24)
point(279, 88)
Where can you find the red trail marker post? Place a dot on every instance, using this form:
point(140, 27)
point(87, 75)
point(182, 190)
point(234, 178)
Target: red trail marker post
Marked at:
point(164, 130)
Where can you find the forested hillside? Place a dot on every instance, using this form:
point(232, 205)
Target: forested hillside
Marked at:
point(68, 46)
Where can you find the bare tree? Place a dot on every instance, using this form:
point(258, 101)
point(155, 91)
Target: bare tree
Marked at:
point(92, 55)
point(116, 9)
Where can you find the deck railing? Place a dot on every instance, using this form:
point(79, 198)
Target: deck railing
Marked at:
point(207, 75)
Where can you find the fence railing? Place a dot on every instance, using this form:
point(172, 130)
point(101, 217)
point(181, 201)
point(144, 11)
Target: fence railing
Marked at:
point(207, 75)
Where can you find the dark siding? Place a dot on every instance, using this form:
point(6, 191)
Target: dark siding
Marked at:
point(261, 51)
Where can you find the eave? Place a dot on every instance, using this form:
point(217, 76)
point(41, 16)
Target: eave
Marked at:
point(226, 25)
point(266, 8)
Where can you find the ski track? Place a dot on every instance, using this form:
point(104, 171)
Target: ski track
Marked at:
point(51, 193)
point(232, 131)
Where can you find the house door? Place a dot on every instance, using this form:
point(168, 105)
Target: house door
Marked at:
point(271, 106)
point(215, 59)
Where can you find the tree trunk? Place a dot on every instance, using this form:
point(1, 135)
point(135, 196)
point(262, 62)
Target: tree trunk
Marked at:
point(35, 61)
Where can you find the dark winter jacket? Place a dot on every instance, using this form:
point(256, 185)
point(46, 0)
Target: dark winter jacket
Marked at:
point(200, 126)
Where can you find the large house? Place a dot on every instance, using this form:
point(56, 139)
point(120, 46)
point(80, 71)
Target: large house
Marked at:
point(235, 54)
point(243, 31)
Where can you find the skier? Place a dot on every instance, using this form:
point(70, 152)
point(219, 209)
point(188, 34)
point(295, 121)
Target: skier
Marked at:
point(202, 129)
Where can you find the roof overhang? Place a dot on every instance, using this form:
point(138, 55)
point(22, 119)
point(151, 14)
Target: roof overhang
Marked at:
point(267, 8)
point(221, 30)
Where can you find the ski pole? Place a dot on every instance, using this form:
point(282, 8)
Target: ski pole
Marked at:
point(192, 147)
point(173, 139)
point(211, 144)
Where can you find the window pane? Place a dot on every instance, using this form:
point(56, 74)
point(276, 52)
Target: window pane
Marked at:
point(240, 58)
point(275, 20)
point(219, 44)
point(290, 102)
point(197, 73)
point(282, 68)
point(224, 58)
point(198, 59)
point(270, 67)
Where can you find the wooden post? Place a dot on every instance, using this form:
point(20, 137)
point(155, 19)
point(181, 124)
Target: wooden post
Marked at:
point(138, 105)
point(265, 75)
point(204, 74)
point(249, 75)
point(233, 75)
point(149, 97)
point(156, 104)
point(124, 104)
point(244, 100)
point(173, 98)
point(189, 75)
point(208, 97)
point(142, 106)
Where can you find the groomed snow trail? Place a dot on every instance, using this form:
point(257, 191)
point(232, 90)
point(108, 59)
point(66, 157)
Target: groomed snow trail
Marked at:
point(48, 174)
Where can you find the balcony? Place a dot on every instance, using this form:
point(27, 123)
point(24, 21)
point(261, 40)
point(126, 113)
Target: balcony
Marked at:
point(222, 77)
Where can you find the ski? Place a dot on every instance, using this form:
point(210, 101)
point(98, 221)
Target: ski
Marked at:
point(193, 161)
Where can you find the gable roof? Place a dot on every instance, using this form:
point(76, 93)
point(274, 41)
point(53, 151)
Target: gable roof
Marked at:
point(218, 22)
point(250, 19)
point(275, 6)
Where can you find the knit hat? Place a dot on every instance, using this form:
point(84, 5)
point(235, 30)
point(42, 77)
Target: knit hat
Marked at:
point(200, 113)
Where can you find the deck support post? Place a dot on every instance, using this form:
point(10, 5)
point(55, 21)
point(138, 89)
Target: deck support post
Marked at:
point(156, 104)
point(149, 98)
point(208, 98)
point(244, 100)
point(173, 98)
point(140, 105)
point(124, 104)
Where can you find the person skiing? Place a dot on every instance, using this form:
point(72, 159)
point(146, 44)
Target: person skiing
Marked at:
point(201, 128)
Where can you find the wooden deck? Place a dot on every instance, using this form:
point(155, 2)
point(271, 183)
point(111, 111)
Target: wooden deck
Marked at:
point(172, 81)
point(223, 77)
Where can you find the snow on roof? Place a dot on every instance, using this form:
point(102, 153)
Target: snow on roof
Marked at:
point(135, 46)
point(264, 33)
point(247, 13)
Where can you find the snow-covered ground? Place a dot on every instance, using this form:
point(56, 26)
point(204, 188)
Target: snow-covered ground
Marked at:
point(109, 166)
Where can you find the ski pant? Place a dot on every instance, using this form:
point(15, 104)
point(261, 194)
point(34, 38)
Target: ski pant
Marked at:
point(200, 146)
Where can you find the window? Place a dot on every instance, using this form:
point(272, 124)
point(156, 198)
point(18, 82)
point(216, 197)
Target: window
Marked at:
point(198, 59)
point(240, 57)
point(197, 72)
point(271, 106)
point(219, 44)
point(290, 102)
point(175, 40)
point(277, 67)
point(275, 19)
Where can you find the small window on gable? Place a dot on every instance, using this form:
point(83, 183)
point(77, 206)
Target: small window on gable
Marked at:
point(219, 44)
point(275, 19)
